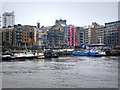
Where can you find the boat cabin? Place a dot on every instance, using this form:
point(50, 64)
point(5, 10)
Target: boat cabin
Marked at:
point(96, 46)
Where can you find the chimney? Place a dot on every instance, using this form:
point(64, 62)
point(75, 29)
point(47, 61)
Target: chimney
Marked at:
point(38, 25)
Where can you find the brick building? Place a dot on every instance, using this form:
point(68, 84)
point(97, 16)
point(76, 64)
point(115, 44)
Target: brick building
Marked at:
point(94, 34)
point(56, 37)
point(112, 34)
point(19, 35)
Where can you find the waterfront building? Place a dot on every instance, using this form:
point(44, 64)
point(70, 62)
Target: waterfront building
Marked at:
point(94, 34)
point(80, 37)
point(43, 33)
point(19, 35)
point(55, 36)
point(42, 39)
point(99, 34)
point(112, 34)
point(70, 35)
point(8, 19)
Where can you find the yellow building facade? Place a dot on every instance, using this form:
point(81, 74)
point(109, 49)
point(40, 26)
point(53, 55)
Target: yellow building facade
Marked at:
point(19, 35)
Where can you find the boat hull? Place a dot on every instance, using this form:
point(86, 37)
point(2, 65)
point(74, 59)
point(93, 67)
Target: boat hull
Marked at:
point(40, 57)
point(86, 54)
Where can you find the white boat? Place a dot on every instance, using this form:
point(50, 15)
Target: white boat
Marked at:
point(101, 52)
point(6, 56)
point(29, 55)
point(39, 55)
point(18, 55)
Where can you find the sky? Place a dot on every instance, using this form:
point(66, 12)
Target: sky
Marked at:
point(76, 13)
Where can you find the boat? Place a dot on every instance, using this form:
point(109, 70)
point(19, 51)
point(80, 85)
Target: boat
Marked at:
point(39, 55)
point(79, 53)
point(50, 54)
point(6, 56)
point(21, 55)
point(54, 55)
point(29, 55)
point(95, 53)
point(89, 53)
point(18, 55)
point(115, 52)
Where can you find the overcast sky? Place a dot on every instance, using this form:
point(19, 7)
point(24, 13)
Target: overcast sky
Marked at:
point(77, 13)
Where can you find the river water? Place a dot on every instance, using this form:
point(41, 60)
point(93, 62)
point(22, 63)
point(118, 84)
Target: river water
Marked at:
point(62, 72)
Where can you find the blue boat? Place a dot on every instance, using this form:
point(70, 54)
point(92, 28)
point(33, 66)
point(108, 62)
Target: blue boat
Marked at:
point(79, 53)
point(88, 53)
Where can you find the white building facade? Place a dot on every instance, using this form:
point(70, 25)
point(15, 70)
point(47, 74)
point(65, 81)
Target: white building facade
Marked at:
point(8, 19)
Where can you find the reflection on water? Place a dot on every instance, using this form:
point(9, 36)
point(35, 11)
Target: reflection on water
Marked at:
point(62, 72)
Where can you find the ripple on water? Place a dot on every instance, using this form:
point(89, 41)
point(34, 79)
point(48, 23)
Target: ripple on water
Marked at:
point(71, 72)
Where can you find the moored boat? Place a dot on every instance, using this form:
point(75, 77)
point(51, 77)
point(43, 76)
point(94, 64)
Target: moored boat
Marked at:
point(21, 55)
point(88, 53)
point(6, 56)
point(50, 54)
point(39, 55)
point(54, 55)
point(18, 55)
point(113, 52)
point(79, 53)
point(29, 55)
